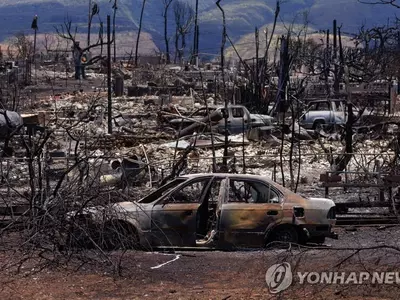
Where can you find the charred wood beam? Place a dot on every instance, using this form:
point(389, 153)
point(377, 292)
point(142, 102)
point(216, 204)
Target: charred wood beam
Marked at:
point(201, 124)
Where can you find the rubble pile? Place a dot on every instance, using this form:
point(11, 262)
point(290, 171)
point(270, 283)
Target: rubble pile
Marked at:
point(166, 116)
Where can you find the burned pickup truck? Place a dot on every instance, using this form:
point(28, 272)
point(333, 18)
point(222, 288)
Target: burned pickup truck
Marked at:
point(238, 117)
point(325, 114)
point(218, 211)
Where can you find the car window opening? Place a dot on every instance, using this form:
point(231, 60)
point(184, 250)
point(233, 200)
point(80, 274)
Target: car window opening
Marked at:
point(251, 192)
point(190, 193)
point(162, 191)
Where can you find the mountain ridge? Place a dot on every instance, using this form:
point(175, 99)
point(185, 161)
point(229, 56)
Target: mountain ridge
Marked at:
point(242, 16)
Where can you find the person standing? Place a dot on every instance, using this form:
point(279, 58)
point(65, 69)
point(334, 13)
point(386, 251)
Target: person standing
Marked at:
point(78, 56)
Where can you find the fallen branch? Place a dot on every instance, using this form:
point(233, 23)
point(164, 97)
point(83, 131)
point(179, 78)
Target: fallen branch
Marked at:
point(147, 162)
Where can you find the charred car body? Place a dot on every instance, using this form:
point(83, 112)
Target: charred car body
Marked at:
point(327, 113)
point(238, 117)
point(217, 211)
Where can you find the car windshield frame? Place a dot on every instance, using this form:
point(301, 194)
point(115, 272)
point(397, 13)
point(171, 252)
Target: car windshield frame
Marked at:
point(207, 110)
point(163, 190)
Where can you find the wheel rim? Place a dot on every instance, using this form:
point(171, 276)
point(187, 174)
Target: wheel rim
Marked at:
point(286, 236)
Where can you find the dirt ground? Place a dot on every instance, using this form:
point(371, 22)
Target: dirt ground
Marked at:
point(213, 274)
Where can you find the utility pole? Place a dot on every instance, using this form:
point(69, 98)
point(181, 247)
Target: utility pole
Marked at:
point(226, 103)
point(326, 64)
point(283, 79)
point(341, 55)
point(196, 36)
point(89, 22)
point(34, 26)
point(115, 7)
point(336, 83)
point(256, 79)
point(109, 75)
point(350, 118)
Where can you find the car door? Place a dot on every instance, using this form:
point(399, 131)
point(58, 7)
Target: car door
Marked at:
point(238, 120)
point(338, 113)
point(249, 208)
point(331, 112)
point(325, 112)
point(174, 217)
point(308, 118)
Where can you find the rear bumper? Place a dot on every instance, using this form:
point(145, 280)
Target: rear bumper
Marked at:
point(317, 230)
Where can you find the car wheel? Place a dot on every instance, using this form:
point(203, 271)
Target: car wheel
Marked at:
point(286, 235)
point(318, 125)
point(119, 235)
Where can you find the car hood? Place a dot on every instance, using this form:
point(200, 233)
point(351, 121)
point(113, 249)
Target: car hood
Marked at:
point(128, 206)
point(263, 119)
point(180, 120)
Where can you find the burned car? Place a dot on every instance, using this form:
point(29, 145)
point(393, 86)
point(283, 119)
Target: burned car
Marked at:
point(238, 117)
point(322, 114)
point(216, 211)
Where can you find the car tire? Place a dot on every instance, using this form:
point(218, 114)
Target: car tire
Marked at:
point(286, 234)
point(119, 235)
point(318, 125)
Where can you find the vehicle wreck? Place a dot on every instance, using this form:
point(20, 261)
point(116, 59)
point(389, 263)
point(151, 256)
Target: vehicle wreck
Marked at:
point(328, 113)
point(221, 211)
point(239, 119)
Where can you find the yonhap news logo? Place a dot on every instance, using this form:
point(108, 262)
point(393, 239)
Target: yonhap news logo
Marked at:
point(279, 277)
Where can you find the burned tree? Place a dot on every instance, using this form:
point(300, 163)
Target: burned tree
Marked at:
point(66, 32)
point(49, 42)
point(184, 17)
point(166, 4)
point(138, 34)
point(394, 3)
point(22, 45)
point(195, 54)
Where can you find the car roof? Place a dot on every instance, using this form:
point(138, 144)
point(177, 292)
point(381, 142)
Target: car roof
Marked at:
point(249, 176)
point(294, 197)
point(326, 100)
